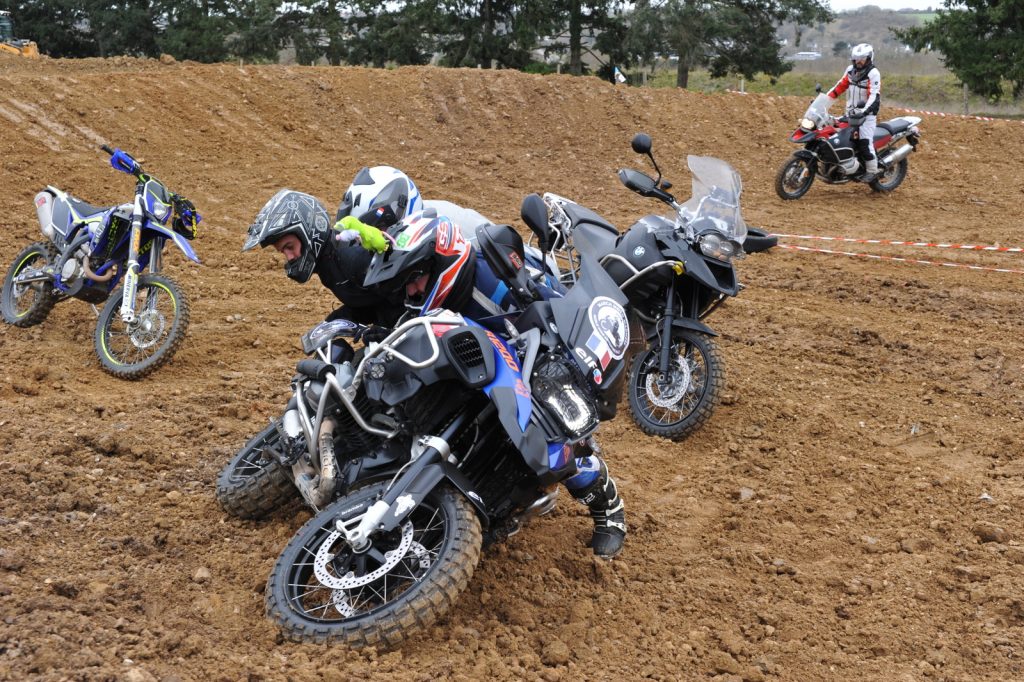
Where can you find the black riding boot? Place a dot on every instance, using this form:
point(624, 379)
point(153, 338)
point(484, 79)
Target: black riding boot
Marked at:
point(606, 508)
point(868, 160)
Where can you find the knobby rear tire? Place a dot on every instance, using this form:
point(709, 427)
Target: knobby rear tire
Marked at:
point(887, 183)
point(253, 484)
point(45, 298)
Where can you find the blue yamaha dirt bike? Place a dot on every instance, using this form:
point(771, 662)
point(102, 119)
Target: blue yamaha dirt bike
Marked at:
point(90, 250)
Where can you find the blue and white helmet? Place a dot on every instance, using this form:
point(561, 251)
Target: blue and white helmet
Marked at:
point(380, 196)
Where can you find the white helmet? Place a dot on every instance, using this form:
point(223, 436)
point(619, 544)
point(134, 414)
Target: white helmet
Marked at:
point(380, 196)
point(862, 52)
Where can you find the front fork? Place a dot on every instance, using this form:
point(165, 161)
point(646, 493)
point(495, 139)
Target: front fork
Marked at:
point(131, 275)
point(666, 333)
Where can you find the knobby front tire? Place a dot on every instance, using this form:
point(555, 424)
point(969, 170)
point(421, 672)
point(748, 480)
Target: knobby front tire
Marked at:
point(794, 178)
point(394, 596)
point(676, 406)
point(133, 351)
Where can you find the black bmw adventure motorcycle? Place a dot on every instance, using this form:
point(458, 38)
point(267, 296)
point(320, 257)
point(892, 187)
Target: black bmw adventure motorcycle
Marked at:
point(444, 436)
point(675, 270)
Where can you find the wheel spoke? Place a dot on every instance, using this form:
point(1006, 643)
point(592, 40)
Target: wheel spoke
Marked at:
point(371, 587)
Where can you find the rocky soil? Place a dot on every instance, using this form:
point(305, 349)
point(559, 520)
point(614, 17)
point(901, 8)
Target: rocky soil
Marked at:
point(853, 510)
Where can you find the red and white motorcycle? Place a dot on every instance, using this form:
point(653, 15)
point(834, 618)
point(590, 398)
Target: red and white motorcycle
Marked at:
point(829, 151)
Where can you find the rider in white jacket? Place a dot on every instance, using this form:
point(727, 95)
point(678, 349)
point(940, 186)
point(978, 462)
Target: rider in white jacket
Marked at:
point(862, 83)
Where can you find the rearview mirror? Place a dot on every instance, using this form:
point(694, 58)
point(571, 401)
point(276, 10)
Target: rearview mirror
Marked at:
point(534, 213)
point(817, 88)
point(642, 143)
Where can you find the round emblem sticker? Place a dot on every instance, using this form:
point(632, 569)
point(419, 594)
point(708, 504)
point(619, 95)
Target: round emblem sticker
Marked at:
point(609, 321)
point(639, 251)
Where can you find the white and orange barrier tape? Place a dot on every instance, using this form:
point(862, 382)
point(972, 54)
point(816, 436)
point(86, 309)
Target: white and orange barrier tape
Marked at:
point(943, 114)
point(899, 259)
point(893, 242)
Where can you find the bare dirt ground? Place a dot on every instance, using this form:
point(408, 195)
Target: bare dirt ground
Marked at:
point(853, 510)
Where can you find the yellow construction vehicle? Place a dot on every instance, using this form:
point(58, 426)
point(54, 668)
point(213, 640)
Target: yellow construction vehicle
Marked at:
point(8, 43)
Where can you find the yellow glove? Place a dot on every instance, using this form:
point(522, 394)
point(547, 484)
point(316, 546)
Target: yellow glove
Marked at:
point(369, 236)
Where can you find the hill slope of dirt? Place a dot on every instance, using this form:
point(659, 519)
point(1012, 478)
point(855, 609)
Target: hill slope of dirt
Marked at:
point(873, 408)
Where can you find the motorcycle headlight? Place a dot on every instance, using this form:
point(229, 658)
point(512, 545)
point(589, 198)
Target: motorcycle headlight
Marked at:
point(160, 211)
point(568, 405)
point(717, 247)
point(807, 124)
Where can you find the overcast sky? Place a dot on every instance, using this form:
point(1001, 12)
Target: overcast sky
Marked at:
point(844, 5)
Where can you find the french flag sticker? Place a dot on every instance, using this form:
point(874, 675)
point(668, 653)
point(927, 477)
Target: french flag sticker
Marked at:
point(600, 349)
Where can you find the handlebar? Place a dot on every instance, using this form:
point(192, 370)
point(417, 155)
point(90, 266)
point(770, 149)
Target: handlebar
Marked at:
point(123, 161)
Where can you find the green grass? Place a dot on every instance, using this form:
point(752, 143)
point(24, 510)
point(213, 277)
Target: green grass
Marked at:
point(939, 92)
point(921, 17)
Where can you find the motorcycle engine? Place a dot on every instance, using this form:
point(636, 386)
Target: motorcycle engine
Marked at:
point(72, 270)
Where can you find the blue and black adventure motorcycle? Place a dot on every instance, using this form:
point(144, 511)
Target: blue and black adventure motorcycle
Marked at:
point(472, 433)
point(90, 250)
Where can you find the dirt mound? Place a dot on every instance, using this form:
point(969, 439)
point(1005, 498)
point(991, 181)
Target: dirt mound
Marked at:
point(851, 511)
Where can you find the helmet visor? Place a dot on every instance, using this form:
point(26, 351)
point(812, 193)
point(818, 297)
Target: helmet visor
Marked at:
point(254, 236)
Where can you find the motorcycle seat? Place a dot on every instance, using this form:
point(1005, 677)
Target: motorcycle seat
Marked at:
point(593, 234)
point(896, 125)
point(86, 210)
point(581, 214)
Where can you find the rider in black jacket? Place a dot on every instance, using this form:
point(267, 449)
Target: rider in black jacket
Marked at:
point(297, 226)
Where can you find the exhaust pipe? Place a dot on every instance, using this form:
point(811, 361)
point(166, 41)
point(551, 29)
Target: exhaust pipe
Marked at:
point(897, 155)
point(317, 487)
point(328, 464)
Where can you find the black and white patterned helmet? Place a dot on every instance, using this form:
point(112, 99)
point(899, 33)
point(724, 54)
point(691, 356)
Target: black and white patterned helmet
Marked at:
point(291, 212)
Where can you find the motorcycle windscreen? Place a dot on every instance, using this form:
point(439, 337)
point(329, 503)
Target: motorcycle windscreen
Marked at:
point(716, 196)
point(818, 110)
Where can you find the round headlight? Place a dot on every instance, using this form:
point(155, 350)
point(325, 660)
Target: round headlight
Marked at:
point(715, 246)
point(807, 124)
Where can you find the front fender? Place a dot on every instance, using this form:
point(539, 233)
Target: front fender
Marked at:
point(419, 487)
point(178, 240)
point(805, 154)
point(681, 323)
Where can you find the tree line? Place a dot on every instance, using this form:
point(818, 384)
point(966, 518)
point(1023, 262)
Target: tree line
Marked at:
point(727, 36)
point(979, 39)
